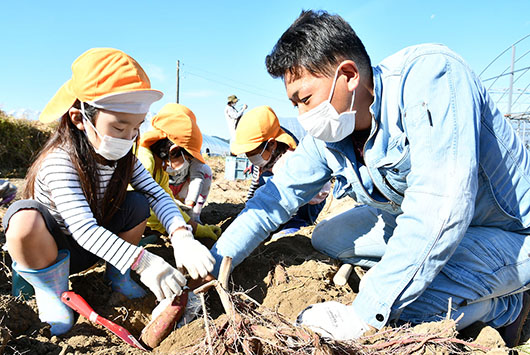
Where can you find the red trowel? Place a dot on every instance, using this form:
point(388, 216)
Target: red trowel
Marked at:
point(78, 304)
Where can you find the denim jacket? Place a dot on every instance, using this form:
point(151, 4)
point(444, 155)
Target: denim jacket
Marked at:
point(440, 157)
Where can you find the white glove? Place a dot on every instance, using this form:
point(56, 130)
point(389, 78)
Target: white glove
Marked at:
point(164, 280)
point(191, 254)
point(333, 320)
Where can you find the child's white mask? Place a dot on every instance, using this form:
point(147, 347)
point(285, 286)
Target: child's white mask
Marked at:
point(181, 172)
point(257, 159)
point(110, 148)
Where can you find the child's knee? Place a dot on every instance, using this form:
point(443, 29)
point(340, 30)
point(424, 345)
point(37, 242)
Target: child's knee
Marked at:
point(25, 224)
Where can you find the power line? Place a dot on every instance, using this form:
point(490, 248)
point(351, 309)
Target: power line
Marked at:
point(200, 70)
point(235, 84)
point(235, 87)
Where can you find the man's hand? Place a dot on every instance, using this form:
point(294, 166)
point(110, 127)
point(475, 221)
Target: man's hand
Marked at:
point(162, 279)
point(333, 320)
point(191, 254)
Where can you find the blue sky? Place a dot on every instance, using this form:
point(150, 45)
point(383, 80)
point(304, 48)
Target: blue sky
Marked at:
point(222, 44)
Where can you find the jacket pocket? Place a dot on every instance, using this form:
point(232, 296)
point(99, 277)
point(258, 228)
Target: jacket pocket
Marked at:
point(395, 166)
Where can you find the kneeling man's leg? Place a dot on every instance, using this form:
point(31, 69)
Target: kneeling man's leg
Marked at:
point(484, 279)
point(357, 236)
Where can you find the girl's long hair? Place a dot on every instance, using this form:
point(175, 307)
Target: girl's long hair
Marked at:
point(85, 160)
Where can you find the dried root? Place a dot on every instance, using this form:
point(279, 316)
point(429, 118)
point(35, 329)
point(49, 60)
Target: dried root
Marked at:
point(248, 328)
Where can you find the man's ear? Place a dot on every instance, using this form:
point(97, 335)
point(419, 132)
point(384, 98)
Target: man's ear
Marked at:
point(351, 71)
point(77, 118)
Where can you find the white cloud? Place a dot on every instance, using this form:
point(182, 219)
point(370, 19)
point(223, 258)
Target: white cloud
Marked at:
point(433, 16)
point(155, 72)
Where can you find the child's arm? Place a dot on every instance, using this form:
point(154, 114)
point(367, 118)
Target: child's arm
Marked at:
point(58, 187)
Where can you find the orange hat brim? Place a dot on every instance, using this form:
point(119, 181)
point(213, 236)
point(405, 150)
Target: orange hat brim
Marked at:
point(151, 137)
point(177, 123)
point(60, 103)
point(257, 126)
point(283, 137)
point(197, 155)
point(105, 75)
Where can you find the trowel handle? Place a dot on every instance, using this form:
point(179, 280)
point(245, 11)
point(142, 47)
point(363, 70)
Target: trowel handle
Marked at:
point(78, 304)
point(341, 277)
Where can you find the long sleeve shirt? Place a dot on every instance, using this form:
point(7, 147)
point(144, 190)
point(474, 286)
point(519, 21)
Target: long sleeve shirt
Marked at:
point(440, 157)
point(58, 187)
point(232, 117)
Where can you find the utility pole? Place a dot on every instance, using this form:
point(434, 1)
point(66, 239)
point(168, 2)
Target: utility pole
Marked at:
point(178, 79)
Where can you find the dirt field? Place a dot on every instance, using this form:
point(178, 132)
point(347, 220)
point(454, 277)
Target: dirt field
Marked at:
point(284, 276)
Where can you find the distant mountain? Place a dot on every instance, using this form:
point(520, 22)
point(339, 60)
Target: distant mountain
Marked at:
point(25, 113)
point(30, 114)
point(223, 139)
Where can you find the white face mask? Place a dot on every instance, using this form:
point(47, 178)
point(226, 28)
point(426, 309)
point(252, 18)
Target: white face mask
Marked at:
point(257, 159)
point(180, 172)
point(110, 148)
point(325, 123)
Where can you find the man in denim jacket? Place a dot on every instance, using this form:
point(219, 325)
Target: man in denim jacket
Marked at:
point(443, 179)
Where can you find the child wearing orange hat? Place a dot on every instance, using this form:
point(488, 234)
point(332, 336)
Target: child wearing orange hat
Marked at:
point(172, 149)
point(77, 208)
point(267, 145)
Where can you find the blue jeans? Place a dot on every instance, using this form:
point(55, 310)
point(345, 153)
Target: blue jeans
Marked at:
point(482, 278)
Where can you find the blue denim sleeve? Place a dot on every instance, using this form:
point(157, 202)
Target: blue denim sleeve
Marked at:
point(301, 178)
point(441, 109)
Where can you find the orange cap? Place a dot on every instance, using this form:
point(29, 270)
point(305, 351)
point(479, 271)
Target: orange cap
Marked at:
point(106, 78)
point(177, 123)
point(257, 126)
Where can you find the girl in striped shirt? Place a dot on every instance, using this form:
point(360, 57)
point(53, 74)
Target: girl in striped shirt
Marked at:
point(78, 209)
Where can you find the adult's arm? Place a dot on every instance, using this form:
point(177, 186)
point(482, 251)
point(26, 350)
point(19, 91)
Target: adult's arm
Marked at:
point(274, 203)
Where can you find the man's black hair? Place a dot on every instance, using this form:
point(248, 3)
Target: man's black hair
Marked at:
point(317, 42)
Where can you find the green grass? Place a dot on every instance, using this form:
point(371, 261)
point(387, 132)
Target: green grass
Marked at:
point(20, 142)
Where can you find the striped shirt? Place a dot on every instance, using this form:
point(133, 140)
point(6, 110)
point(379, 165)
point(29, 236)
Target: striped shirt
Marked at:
point(58, 187)
point(255, 181)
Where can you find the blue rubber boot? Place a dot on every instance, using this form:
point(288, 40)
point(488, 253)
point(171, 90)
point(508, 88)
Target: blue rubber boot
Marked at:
point(20, 287)
point(49, 284)
point(123, 283)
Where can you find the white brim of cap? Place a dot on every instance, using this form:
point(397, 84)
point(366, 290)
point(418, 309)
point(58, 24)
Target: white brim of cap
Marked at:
point(137, 102)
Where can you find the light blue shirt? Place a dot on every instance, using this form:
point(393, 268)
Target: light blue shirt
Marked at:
point(440, 157)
